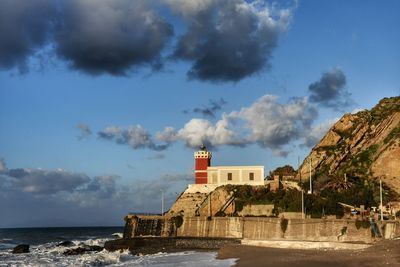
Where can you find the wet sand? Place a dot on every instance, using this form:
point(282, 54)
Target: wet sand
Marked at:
point(382, 253)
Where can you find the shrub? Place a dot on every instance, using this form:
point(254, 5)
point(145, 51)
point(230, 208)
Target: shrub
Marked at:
point(220, 214)
point(178, 221)
point(397, 214)
point(363, 224)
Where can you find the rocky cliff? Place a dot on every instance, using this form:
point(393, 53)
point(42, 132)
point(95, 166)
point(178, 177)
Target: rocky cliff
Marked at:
point(365, 144)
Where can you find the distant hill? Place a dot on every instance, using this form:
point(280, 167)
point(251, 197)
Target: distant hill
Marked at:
point(365, 144)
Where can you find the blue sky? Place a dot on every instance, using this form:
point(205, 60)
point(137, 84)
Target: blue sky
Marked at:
point(301, 65)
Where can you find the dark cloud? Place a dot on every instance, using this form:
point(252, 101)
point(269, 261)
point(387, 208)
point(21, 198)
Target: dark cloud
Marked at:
point(38, 181)
point(32, 197)
point(330, 90)
point(3, 166)
point(111, 36)
point(25, 27)
point(104, 186)
point(210, 109)
point(134, 136)
point(228, 40)
point(84, 130)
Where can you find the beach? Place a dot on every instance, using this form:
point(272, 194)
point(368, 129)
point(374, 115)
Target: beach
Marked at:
point(381, 253)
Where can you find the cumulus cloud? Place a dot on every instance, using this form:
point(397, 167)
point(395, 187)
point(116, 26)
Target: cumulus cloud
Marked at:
point(228, 40)
point(104, 186)
point(272, 124)
point(25, 27)
point(134, 136)
point(330, 90)
point(84, 130)
point(111, 36)
point(38, 181)
point(266, 122)
point(209, 110)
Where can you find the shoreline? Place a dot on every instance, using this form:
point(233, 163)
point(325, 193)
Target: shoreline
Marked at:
point(384, 252)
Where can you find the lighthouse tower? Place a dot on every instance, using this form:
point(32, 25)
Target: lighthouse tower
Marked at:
point(202, 161)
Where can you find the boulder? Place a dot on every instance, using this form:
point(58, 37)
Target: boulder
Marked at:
point(23, 248)
point(82, 250)
point(66, 243)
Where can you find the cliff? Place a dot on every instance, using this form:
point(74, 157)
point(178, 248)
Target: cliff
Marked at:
point(365, 145)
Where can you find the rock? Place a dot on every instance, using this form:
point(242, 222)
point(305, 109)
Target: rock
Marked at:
point(95, 248)
point(23, 248)
point(82, 250)
point(66, 244)
point(363, 144)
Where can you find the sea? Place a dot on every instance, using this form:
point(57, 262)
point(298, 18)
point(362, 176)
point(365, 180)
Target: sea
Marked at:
point(45, 252)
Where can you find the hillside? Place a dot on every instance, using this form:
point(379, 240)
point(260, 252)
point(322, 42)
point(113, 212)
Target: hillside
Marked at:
point(363, 145)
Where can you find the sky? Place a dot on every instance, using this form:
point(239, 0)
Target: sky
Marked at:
point(102, 103)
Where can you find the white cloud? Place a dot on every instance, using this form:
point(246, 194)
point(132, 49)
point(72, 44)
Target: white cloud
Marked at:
point(315, 134)
point(266, 122)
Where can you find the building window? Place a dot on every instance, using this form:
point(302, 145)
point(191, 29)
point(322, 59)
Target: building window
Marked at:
point(251, 176)
point(229, 176)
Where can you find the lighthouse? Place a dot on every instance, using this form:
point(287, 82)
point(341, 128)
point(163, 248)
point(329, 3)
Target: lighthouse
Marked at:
point(202, 162)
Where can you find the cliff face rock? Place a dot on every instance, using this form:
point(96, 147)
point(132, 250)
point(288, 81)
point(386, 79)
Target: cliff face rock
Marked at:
point(365, 144)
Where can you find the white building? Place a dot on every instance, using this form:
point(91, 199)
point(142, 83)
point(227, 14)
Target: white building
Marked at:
point(220, 175)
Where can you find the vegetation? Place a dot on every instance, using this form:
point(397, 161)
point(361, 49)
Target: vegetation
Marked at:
point(364, 224)
point(395, 133)
point(284, 200)
point(286, 170)
point(385, 107)
point(178, 221)
point(220, 214)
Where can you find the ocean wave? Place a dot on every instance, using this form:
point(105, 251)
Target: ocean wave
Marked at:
point(117, 235)
point(49, 254)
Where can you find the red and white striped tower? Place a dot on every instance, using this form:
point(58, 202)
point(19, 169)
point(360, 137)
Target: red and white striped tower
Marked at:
point(202, 161)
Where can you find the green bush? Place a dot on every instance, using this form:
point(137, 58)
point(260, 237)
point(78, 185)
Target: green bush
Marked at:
point(364, 224)
point(178, 221)
point(392, 135)
point(220, 214)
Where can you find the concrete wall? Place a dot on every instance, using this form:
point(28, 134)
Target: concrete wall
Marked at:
point(309, 230)
point(264, 228)
point(257, 210)
point(229, 227)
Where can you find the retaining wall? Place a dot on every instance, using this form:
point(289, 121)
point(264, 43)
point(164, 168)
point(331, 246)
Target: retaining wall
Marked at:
point(260, 228)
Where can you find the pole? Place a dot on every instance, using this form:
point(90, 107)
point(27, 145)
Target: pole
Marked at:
point(380, 189)
point(309, 161)
point(209, 205)
point(302, 204)
point(162, 202)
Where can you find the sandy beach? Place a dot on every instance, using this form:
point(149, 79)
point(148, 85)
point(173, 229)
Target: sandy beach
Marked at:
point(382, 253)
